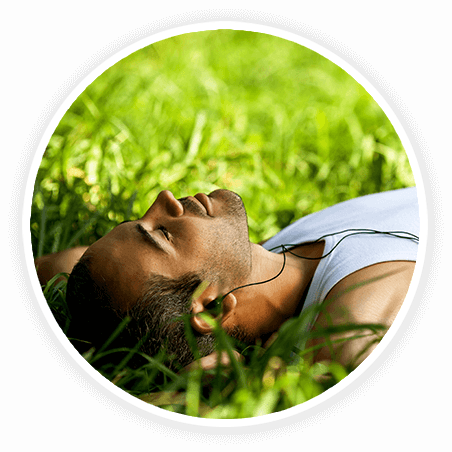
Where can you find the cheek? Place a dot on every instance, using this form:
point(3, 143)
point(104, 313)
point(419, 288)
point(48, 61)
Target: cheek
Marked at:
point(193, 241)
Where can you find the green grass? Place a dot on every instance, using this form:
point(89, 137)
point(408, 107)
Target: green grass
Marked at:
point(267, 380)
point(288, 130)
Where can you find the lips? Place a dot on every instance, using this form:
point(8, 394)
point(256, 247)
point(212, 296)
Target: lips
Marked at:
point(205, 202)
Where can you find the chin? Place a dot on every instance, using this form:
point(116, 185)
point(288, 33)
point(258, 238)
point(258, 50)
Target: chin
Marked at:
point(223, 192)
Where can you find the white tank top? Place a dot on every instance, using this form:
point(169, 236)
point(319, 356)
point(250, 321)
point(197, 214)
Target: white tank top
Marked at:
point(388, 211)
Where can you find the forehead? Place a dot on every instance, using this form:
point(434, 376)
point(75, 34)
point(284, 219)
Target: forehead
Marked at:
point(121, 266)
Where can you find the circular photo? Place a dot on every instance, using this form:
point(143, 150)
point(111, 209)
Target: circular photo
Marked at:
point(225, 224)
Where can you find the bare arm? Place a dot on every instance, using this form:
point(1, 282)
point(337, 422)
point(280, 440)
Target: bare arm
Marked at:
point(62, 262)
point(371, 295)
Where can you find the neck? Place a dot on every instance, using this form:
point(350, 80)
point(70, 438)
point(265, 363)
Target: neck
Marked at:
point(267, 306)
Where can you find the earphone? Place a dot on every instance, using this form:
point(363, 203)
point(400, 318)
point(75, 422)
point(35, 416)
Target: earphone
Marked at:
point(285, 248)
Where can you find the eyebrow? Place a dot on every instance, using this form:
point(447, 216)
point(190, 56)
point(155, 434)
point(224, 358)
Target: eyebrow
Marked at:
point(148, 237)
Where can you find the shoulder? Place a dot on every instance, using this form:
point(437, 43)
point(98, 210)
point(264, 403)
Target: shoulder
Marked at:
point(49, 265)
point(373, 294)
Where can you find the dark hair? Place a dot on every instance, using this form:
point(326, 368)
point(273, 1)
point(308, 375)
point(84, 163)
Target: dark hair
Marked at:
point(152, 317)
point(92, 318)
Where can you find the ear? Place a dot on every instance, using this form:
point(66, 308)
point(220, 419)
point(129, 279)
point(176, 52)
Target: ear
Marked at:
point(202, 298)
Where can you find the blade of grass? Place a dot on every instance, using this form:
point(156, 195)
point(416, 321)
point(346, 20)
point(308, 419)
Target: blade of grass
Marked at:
point(224, 343)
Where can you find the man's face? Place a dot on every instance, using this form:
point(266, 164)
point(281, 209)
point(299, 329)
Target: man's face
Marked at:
point(207, 235)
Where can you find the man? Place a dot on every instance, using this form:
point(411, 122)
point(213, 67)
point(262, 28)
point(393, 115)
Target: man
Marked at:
point(358, 255)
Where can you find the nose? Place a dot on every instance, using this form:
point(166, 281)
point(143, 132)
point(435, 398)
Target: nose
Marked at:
point(169, 204)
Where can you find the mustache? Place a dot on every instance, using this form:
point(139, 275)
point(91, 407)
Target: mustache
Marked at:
point(192, 206)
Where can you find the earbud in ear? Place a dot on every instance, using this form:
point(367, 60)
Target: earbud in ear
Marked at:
point(214, 307)
point(204, 302)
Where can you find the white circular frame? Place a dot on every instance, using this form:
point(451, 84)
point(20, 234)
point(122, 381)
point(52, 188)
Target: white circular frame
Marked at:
point(346, 386)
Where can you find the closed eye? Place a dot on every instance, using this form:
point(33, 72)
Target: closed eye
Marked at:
point(148, 237)
point(164, 232)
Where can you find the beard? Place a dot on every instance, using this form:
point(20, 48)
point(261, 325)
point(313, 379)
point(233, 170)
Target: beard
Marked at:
point(171, 337)
point(160, 321)
point(161, 317)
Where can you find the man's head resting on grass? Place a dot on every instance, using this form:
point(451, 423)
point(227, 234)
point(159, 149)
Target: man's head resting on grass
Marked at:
point(149, 269)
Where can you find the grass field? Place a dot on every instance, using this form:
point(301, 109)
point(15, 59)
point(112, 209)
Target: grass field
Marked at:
point(285, 128)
